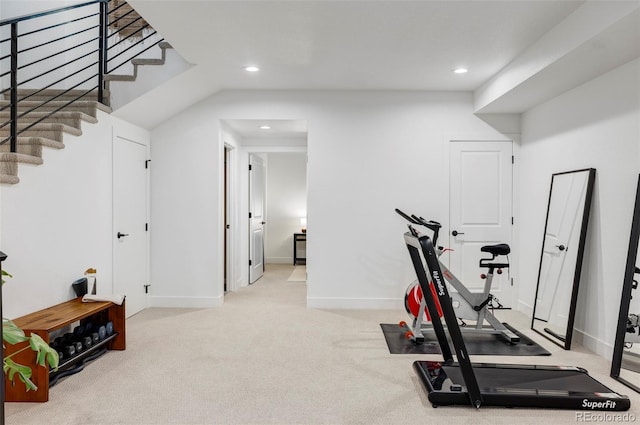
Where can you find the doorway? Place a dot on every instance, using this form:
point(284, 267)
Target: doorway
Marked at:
point(286, 195)
point(272, 140)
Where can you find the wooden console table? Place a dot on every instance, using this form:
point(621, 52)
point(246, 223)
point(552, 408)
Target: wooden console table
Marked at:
point(298, 237)
point(44, 322)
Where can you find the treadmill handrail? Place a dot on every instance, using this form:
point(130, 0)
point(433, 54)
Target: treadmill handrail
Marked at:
point(433, 266)
point(423, 279)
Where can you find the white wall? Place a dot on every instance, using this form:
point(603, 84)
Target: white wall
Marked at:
point(595, 125)
point(368, 152)
point(57, 221)
point(286, 203)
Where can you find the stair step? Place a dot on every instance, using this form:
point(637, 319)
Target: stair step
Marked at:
point(45, 126)
point(165, 45)
point(9, 168)
point(6, 179)
point(30, 94)
point(147, 61)
point(116, 77)
point(32, 145)
point(29, 141)
point(17, 158)
point(72, 118)
point(53, 131)
point(9, 165)
point(88, 107)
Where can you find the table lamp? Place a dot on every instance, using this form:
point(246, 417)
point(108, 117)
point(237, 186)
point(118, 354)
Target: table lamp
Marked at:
point(303, 223)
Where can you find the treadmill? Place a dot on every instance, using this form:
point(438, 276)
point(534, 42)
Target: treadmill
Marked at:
point(490, 384)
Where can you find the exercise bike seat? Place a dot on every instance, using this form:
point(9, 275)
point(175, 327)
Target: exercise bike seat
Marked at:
point(499, 249)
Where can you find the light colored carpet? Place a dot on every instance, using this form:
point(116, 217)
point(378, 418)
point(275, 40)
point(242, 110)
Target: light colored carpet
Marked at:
point(299, 274)
point(264, 358)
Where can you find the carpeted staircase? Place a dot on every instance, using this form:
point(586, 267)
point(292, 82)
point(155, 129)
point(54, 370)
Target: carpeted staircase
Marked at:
point(48, 133)
point(68, 121)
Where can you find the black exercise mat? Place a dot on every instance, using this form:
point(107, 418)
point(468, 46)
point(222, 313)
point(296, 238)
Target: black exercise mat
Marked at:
point(477, 344)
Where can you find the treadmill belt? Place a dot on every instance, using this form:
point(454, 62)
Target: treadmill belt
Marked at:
point(521, 378)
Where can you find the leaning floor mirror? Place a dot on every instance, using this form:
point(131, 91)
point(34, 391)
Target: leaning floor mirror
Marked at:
point(561, 258)
point(625, 365)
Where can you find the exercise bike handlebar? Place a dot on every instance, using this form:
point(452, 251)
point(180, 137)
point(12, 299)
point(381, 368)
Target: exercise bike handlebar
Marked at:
point(434, 226)
point(406, 217)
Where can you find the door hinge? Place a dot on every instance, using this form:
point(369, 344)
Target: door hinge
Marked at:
point(511, 281)
point(249, 167)
point(146, 227)
point(249, 215)
point(249, 262)
point(512, 221)
point(146, 289)
point(513, 159)
point(146, 164)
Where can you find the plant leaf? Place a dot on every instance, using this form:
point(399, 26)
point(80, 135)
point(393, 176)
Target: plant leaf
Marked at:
point(24, 373)
point(4, 273)
point(46, 354)
point(11, 333)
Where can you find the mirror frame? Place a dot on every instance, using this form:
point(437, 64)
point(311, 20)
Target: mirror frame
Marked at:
point(627, 289)
point(566, 342)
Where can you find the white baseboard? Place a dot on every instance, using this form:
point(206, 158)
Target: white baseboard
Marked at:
point(356, 303)
point(186, 302)
point(279, 260)
point(592, 343)
point(525, 308)
point(580, 337)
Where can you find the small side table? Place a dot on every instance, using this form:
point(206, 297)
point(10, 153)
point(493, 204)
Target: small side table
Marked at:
point(298, 237)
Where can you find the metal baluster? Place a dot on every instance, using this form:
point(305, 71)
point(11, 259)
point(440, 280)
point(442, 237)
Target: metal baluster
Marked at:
point(14, 88)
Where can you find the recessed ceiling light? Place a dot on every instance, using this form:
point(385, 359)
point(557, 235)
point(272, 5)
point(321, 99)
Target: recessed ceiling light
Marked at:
point(265, 127)
point(251, 68)
point(460, 70)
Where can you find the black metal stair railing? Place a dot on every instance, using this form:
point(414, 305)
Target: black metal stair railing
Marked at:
point(70, 50)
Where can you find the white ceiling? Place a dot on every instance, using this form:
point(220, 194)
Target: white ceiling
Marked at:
point(519, 52)
point(352, 45)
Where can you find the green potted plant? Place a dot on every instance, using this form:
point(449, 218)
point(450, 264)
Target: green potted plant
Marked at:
point(45, 355)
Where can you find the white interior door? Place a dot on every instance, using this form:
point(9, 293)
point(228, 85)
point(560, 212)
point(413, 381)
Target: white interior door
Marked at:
point(130, 256)
point(480, 184)
point(564, 223)
point(257, 186)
